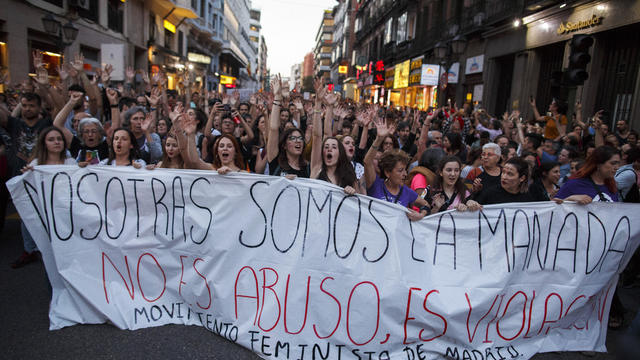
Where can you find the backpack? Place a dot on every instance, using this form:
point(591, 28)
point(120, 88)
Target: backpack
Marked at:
point(633, 195)
point(428, 174)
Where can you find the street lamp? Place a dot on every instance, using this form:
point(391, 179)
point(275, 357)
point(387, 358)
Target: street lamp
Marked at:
point(446, 52)
point(65, 37)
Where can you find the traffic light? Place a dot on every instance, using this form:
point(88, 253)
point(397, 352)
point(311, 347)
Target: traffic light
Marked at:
point(579, 57)
point(556, 84)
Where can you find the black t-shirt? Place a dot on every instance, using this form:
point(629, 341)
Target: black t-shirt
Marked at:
point(498, 195)
point(23, 141)
point(276, 170)
point(79, 151)
point(489, 181)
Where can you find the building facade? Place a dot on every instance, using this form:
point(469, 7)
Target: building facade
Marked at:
point(496, 54)
point(343, 41)
point(207, 37)
point(324, 47)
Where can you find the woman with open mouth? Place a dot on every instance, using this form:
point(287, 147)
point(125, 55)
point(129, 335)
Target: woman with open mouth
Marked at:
point(449, 192)
point(285, 157)
point(123, 150)
point(329, 161)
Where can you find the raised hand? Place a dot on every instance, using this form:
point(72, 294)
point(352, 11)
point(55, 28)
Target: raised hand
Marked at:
point(186, 79)
point(331, 98)
point(106, 74)
point(42, 76)
point(154, 99)
point(130, 74)
point(276, 84)
point(383, 129)
point(37, 59)
point(235, 98)
point(189, 125)
point(75, 97)
point(145, 77)
point(112, 96)
point(146, 123)
point(78, 63)
point(177, 112)
point(532, 101)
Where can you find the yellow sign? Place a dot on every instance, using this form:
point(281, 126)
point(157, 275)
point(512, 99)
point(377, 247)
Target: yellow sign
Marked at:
point(401, 77)
point(416, 64)
point(199, 58)
point(343, 69)
point(227, 80)
point(169, 26)
point(568, 27)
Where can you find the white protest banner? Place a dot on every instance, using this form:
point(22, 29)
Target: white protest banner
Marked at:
point(296, 269)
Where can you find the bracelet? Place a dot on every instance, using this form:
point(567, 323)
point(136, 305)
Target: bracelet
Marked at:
point(375, 147)
point(317, 111)
point(153, 109)
point(113, 106)
point(426, 208)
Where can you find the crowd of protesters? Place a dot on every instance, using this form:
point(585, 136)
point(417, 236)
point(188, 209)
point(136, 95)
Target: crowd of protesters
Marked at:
point(428, 161)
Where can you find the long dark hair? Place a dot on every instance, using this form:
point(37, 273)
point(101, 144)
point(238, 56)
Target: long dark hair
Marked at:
point(237, 160)
point(282, 153)
point(455, 142)
point(345, 174)
point(599, 156)
point(42, 153)
point(134, 152)
point(459, 186)
point(165, 158)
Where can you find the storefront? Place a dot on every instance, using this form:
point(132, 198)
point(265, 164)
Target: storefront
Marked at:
point(540, 48)
point(169, 62)
point(473, 84)
point(429, 80)
point(389, 76)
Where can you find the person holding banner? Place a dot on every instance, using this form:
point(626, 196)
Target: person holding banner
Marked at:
point(171, 157)
point(285, 157)
point(51, 149)
point(595, 180)
point(389, 186)
point(514, 182)
point(450, 191)
point(122, 151)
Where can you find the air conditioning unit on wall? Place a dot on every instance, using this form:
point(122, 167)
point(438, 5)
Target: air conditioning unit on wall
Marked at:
point(80, 4)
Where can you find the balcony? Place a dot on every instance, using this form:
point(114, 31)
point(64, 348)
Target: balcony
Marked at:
point(498, 10)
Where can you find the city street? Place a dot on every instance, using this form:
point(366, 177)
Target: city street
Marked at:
point(26, 336)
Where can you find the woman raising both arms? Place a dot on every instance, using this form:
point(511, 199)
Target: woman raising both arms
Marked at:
point(329, 161)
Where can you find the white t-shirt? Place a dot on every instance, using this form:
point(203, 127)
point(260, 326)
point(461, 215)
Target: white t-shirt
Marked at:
point(67, 161)
point(106, 162)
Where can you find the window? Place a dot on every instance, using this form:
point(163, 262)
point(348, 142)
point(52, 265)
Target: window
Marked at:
point(180, 42)
point(115, 15)
point(411, 26)
point(210, 16)
point(388, 36)
point(91, 13)
point(358, 24)
point(203, 8)
point(430, 17)
point(401, 33)
point(168, 38)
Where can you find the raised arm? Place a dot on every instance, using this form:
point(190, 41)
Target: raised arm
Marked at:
point(532, 102)
point(383, 130)
point(274, 119)
point(61, 117)
point(316, 143)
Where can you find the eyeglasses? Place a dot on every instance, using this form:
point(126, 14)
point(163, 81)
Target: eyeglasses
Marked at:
point(488, 154)
point(92, 131)
point(295, 138)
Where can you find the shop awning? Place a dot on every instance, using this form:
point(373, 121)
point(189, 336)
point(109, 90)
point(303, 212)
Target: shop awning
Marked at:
point(173, 11)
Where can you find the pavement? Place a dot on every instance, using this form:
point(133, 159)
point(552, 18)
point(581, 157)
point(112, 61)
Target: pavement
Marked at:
point(24, 296)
